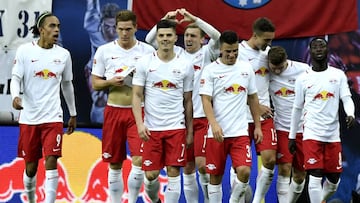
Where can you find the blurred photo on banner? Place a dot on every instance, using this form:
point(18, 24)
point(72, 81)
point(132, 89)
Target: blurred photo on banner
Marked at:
point(16, 18)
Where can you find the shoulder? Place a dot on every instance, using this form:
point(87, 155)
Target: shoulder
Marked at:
point(146, 46)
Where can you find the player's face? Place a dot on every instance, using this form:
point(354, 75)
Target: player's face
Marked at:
point(278, 69)
point(264, 40)
point(166, 38)
point(193, 40)
point(126, 32)
point(229, 53)
point(50, 30)
point(318, 49)
point(108, 29)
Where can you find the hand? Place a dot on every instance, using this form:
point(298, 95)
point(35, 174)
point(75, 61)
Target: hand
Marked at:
point(350, 121)
point(143, 132)
point(292, 146)
point(266, 112)
point(258, 136)
point(17, 103)
point(71, 125)
point(171, 15)
point(188, 17)
point(117, 81)
point(217, 132)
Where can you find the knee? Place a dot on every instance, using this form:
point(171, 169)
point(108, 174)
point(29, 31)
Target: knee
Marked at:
point(285, 169)
point(269, 159)
point(299, 176)
point(31, 169)
point(151, 175)
point(51, 162)
point(243, 173)
point(136, 160)
point(333, 177)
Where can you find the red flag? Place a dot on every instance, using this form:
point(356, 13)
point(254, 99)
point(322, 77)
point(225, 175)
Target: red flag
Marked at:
point(292, 18)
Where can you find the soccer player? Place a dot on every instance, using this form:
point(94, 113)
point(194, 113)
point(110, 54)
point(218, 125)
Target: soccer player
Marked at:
point(283, 74)
point(317, 97)
point(200, 55)
point(226, 87)
point(254, 50)
point(42, 67)
point(165, 80)
point(112, 68)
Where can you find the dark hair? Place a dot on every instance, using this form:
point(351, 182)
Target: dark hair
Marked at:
point(109, 10)
point(277, 55)
point(318, 38)
point(39, 22)
point(194, 25)
point(126, 15)
point(262, 25)
point(229, 37)
point(166, 24)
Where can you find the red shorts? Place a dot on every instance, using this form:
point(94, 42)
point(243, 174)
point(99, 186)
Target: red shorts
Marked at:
point(200, 126)
point(119, 126)
point(238, 148)
point(269, 135)
point(283, 153)
point(164, 148)
point(34, 140)
point(323, 155)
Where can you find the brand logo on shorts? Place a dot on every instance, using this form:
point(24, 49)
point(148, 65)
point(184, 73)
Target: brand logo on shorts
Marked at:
point(106, 155)
point(147, 162)
point(180, 160)
point(312, 161)
point(211, 167)
point(55, 150)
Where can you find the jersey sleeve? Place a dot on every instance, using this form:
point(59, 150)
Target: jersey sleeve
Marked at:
point(344, 87)
point(299, 93)
point(68, 74)
point(252, 82)
point(18, 68)
point(206, 82)
point(189, 79)
point(98, 65)
point(140, 72)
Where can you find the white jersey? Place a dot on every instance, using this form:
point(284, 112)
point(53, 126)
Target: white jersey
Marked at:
point(164, 86)
point(41, 72)
point(319, 94)
point(199, 60)
point(229, 87)
point(282, 92)
point(111, 59)
point(259, 62)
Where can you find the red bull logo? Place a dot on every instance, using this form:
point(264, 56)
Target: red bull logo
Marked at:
point(324, 95)
point(196, 68)
point(80, 180)
point(235, 89)
point(262, 71)
point(284, 92)
point(165, 85)
point(45, 74)
point(122, 69)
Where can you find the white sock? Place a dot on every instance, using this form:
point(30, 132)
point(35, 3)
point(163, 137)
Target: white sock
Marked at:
point(295, 191)
point(233, 177)
point(51, 184)
point(173, 189)
point(282, 188)
point(204, 182)
point(135, 180)
point(215, 193)
point(116, 186)
point(238, 192)
point(263, 183)
point(30, 187)
point(191, 190)
point(152, 189)
point(315, 189)
point(329, 189)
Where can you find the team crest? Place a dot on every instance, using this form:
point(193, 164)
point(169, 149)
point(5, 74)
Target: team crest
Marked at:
point(246, 4)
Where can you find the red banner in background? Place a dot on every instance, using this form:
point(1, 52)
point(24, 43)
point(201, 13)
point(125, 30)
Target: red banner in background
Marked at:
point(294, 18)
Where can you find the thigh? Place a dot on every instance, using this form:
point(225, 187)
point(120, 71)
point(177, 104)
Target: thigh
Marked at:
point(152, 154)
point(215, 156)
point(333, 158)
point(175, 147)
point(52, 134)
point(313, 154)
point(240, 151)
point(29, 144)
